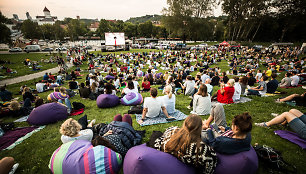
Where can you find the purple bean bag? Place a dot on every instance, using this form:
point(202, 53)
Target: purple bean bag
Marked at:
point(108, 77)
point(48, 113)
point(158, 75)
point(78, 157)
point(142, 159)
point(107, 101)
point(131, 99)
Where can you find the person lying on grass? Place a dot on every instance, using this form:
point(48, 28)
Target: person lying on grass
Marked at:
point(152, 106)
point(300, 100)
point(295, 118)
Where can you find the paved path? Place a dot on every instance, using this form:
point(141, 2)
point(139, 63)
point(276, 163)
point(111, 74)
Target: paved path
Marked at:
point(30, 76)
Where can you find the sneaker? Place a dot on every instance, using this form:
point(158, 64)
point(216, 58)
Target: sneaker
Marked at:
point(14, 168)
point(191, 97)
point(278, 101)
point(263, 124)
point(188, 107)
point(274, 114)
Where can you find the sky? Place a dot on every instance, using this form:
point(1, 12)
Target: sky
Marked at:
point(90, 9)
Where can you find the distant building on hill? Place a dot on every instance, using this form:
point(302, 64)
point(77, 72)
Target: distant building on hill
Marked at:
point(47, 18)
point(94, 26)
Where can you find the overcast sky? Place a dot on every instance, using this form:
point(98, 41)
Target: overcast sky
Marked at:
point(91, 9)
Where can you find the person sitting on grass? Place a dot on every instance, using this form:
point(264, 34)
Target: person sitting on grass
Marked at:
point(295, 79)
point(5, 95)
point(188, 86)
point(169, 99)
point(146, 85)
point(84, 91)
point(224, 139)
point(130, 88)
point(286, 81)
point(152, 106)
point(186, 145)
point(295, 118)
point(226, 92)
point(272, 84)
point(260, 89)
point(237, 93)
point(201, 101)
point(71, 130)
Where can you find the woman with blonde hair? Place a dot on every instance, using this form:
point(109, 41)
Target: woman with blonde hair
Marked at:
point(201, 102)
point(71, 130)
point(169, 99)
point(185, 144)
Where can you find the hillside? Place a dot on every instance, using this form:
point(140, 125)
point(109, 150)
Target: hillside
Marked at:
point(145, 18)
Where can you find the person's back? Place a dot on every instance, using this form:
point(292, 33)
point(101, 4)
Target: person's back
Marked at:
point(189, 84)
point(237, 93)
point(272, 86)
point(154, 106)
point(5, 95)
point(169, 103)
point(295, 80)
point(201, 105)
point(84, 92)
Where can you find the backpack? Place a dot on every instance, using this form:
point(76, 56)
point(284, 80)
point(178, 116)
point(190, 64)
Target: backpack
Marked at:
point(135, 110)
point(78, 105)
point(273, 159)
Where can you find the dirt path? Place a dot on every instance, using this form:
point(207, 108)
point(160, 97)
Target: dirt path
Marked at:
point(30, 76)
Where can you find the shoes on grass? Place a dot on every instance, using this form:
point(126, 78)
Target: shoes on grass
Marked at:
point(278, 101)
point(14, 168)
point(263, 124)
point(188, 107)
point(274, 114)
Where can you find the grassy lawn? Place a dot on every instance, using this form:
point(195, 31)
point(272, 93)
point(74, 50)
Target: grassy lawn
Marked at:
point(16, 64)
point(34, 153)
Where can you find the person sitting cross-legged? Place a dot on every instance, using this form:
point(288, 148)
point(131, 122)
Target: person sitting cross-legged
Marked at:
point(152, 106)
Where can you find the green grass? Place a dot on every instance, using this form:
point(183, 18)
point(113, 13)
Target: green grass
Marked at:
point(34, 153)
point(16, 63)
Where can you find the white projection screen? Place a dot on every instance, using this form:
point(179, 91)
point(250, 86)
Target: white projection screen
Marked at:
point(110, 39)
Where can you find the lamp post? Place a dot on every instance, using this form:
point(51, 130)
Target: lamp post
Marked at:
point(115, 43)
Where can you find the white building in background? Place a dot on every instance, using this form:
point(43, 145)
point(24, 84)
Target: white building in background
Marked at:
point(47, 18)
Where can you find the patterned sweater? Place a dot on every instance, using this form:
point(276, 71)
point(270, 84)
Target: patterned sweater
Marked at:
point(205, 161)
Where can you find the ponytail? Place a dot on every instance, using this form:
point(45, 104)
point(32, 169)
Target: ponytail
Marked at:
point(170, 94)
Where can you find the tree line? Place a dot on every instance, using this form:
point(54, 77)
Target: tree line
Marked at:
point(243, 20)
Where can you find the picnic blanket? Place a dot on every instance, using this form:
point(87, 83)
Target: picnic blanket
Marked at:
point(242, 100)
point(178, 115)
point(292, 86)
point(77, 112)
point(291, 136)
point(22, 119)
point(14, 137)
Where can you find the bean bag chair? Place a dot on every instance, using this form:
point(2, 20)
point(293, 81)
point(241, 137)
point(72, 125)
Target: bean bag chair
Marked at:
point(78, 157)
point(48, 113)
point(57, 96)
point(131, 99)
point(142, 159)
point(158, 75)
point(107, 101)
point(108, 77)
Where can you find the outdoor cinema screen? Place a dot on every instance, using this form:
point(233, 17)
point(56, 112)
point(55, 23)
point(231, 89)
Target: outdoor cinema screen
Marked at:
point(114, 39)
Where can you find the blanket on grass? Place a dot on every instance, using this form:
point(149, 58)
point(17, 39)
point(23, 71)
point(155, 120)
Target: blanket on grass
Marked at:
point(22, 119)
point(178, 115)
point(242, 100)
point(77, 112)
point(291, 136)
point(14, 137)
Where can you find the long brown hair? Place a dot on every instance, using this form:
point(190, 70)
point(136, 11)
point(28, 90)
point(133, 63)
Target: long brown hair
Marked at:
point(203, 90)
point(189, 133)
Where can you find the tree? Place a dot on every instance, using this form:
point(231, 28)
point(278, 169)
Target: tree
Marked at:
point(145, 29)
point(31, 30)
point(130, 29)
point(5, 34)
point(104, 26)
point(76, 28)
point(182, 15)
